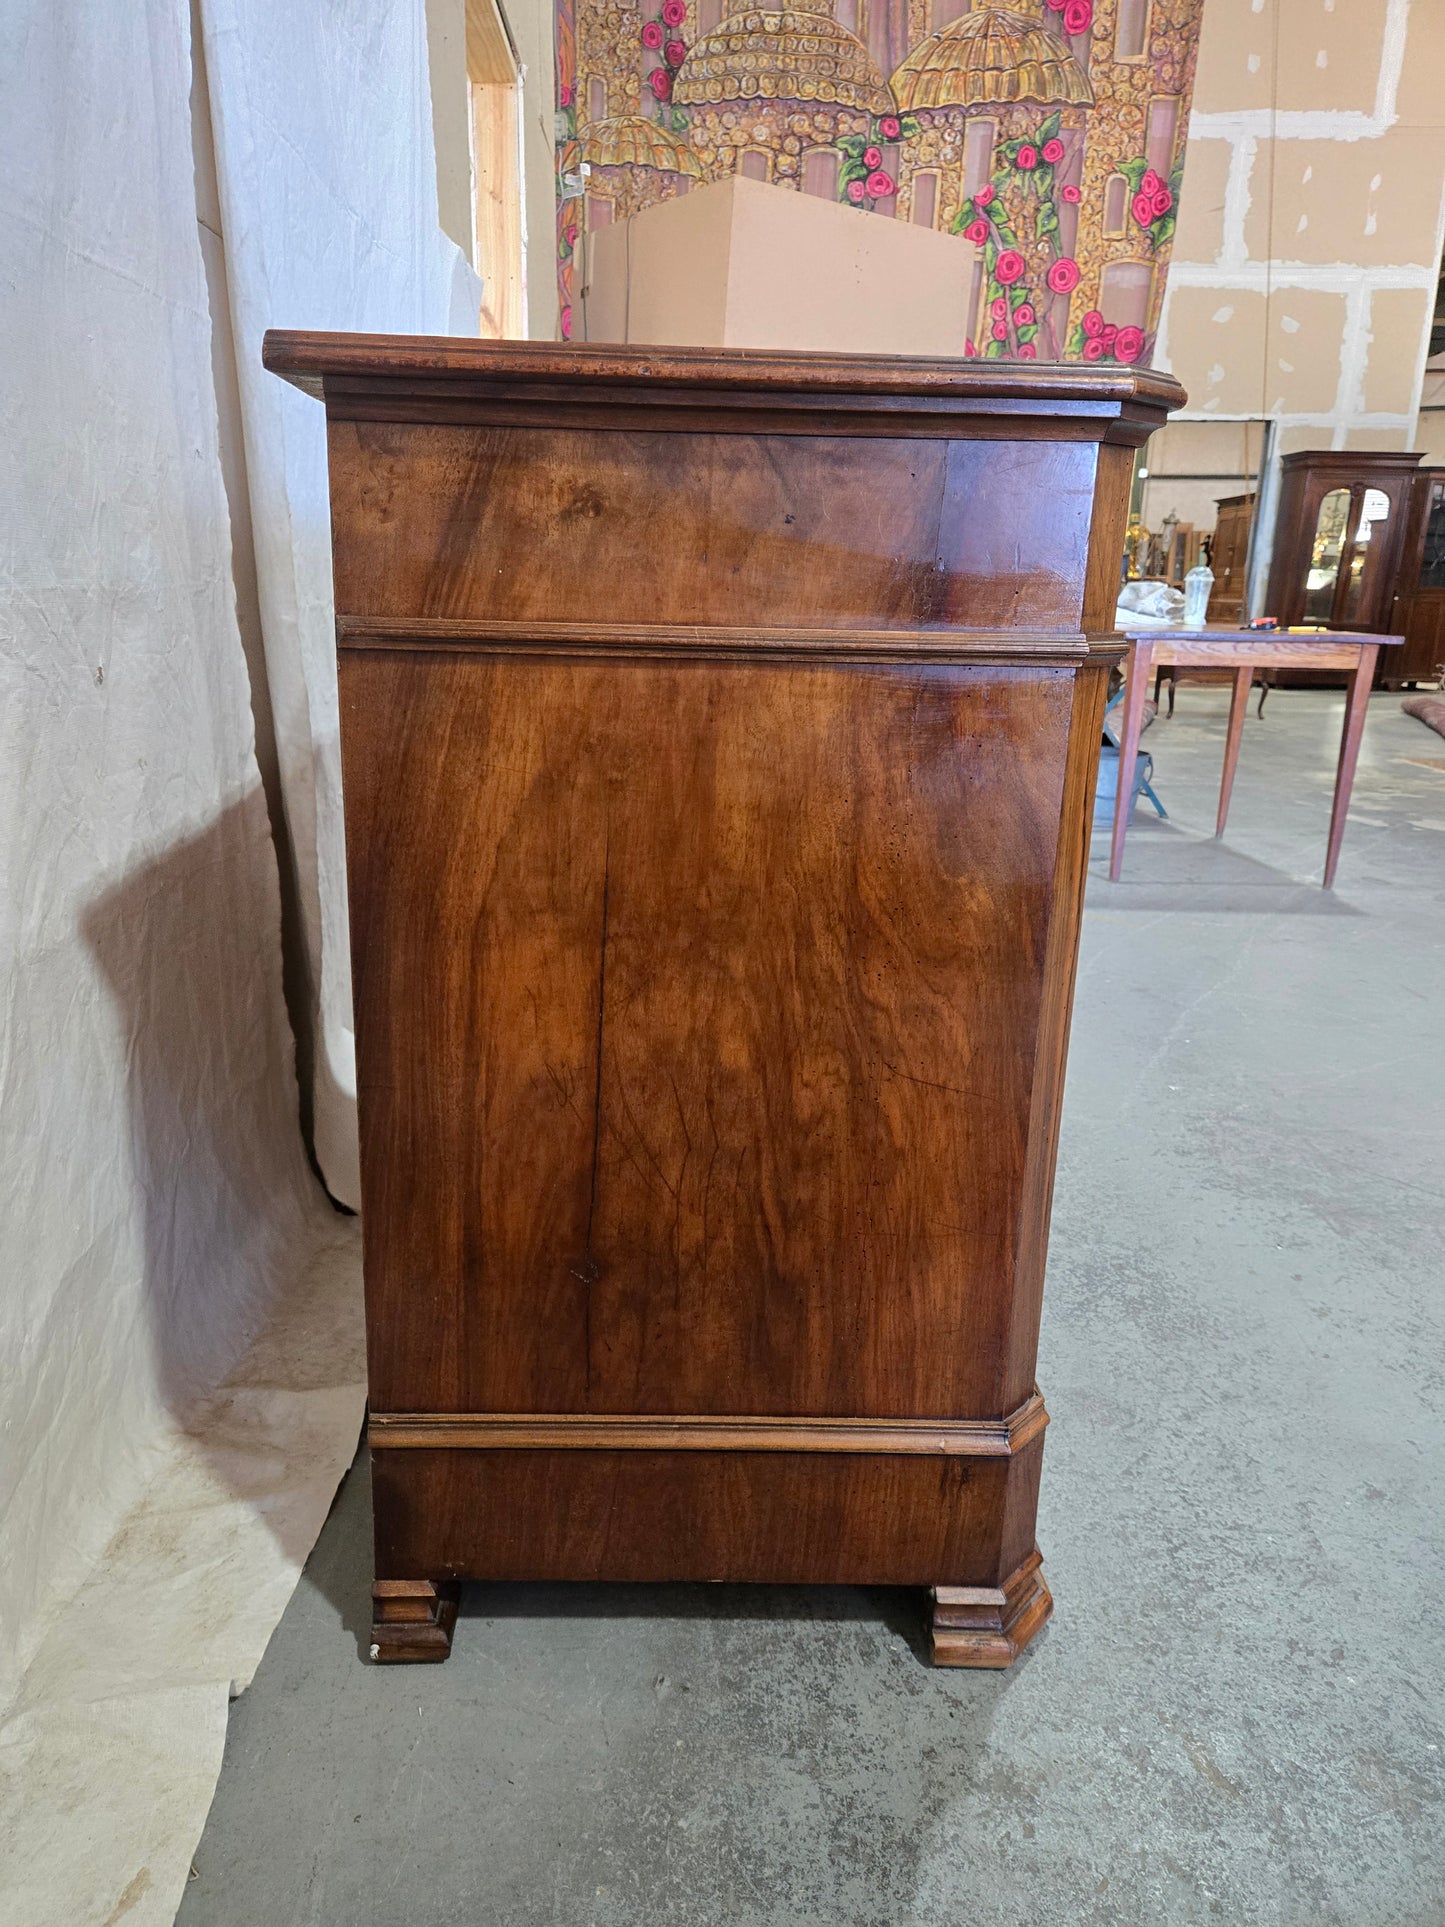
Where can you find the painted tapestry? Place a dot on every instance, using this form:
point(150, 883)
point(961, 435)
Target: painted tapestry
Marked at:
point(1048, 135)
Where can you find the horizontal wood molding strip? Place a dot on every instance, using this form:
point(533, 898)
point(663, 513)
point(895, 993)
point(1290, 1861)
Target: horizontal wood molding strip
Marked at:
point(447, 406)
point(560, 1431)
point(306, 357)
point(1038, 647)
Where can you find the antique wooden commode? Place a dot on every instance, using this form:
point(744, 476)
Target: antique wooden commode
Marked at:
point(719, 734)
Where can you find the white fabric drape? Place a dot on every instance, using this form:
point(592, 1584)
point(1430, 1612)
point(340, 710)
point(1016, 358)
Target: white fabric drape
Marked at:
point(327, 177)
point(160, 1229)
point(154, 1187)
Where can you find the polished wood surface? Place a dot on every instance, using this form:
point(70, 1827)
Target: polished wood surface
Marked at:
point(719, 736)
point(1419, 608)
point(1244, 651)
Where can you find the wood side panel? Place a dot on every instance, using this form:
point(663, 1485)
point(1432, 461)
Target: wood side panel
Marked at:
point(652, 1516)
point(1014, 540)
point(1020, 1507)
point(696, 1007)
point(475, 859)
point(1108, 528)
point(509, 524)
point(1061, 961)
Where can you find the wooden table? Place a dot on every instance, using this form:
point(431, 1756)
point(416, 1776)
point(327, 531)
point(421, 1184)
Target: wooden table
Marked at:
point(1244, 651)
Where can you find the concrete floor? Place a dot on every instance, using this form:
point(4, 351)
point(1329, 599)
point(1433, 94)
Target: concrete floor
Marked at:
point(1238, 1712)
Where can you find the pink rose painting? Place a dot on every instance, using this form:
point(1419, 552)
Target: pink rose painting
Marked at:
point(1017, 197)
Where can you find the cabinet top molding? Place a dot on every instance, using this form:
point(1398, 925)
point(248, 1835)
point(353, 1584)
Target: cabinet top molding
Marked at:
point(1112, 404)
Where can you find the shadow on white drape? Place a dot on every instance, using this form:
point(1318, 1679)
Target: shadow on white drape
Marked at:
point(322, 125)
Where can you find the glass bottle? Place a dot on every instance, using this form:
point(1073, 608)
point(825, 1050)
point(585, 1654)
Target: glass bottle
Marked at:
point(1197, 585)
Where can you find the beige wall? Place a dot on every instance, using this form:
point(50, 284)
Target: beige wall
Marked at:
point(1310, 227)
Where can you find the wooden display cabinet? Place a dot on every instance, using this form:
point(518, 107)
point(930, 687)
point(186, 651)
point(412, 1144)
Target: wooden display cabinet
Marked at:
point(1419, 609)
point(719, 735)
point(1338, 537)
point(1229, 558)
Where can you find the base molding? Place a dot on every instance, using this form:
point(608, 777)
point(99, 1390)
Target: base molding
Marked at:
point(990, 1625)
point(1001, 1438)
point(412, 1620)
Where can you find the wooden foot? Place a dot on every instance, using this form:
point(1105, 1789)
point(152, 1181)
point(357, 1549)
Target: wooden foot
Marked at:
point(990, 1625)
point(412, 1619)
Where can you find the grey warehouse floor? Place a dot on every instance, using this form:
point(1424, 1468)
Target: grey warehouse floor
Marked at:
point(1238, 1711)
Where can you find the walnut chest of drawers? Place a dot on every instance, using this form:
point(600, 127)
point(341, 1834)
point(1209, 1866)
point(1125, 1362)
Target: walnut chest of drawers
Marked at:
point(719, 735)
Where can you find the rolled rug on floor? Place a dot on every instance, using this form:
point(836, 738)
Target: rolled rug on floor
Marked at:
point(1430, 710)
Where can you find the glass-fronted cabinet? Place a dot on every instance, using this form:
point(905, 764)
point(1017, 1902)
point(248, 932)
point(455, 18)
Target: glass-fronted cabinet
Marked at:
point(1419, 608)
point(1338, 537)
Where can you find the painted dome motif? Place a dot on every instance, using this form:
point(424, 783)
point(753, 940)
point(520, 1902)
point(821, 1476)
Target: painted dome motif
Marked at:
point(631, 140)
point(991, 55)
point(782, 54)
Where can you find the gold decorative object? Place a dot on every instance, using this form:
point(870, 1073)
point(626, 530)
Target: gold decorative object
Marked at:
point(783, 54)
point(631, 140)
point(992, 55)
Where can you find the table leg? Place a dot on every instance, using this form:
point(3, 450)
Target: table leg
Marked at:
point(1238, 703)
point(1356, 703)
point(1135, 690)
